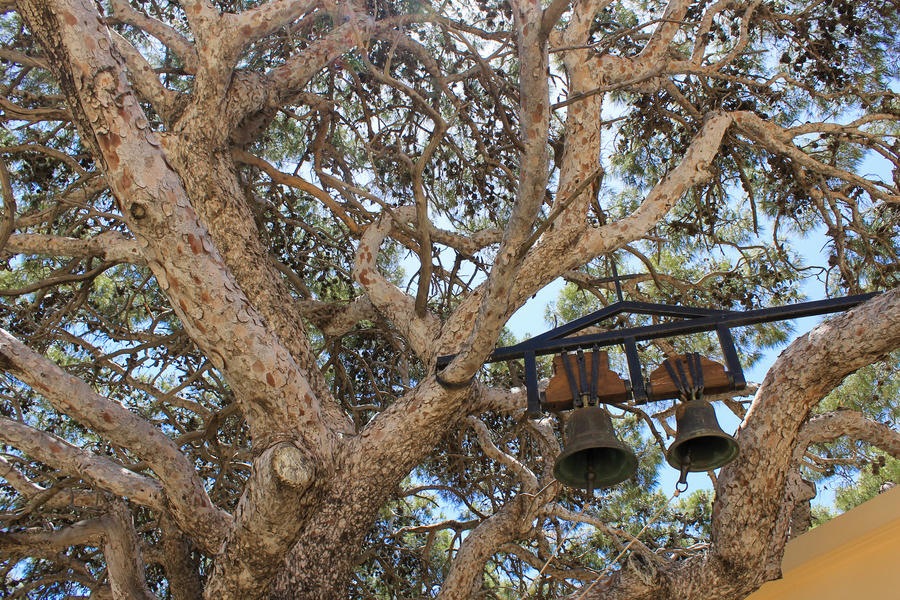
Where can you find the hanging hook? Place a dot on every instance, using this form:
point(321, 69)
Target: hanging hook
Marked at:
point(583, 387)
point(678, 377)
point(573, 383)
point(682, 484)
point(696, 370)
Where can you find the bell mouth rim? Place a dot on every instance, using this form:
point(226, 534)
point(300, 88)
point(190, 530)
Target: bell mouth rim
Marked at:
point(629, 468)
point(733, 451)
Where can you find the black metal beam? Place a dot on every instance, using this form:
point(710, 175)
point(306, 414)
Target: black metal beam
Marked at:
point(626, 306)
point(540, 345)
point(635, 373)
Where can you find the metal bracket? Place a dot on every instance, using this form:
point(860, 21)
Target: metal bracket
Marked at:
point(689, 390)
point(577, 400)
point(732, 361)
point(638, 389)
point(531, 385)
point(452, 386)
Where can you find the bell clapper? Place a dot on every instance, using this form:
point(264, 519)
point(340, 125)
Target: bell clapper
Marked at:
point(590, 476)
point(682, 484)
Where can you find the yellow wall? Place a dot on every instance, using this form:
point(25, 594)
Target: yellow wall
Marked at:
point(855, 556)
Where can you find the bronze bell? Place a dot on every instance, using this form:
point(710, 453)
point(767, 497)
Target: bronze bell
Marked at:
point(593, 456)
point(700, 444)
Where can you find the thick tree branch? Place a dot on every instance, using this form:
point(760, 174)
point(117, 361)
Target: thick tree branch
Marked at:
point(295, 73)
point(23, 59)
point(124, 562)
point(510, 402)
point(89, 531)
point(265, 19)
point(552, 15)
point(337, 319)
point(391, 445)
point(121, 548)
point(692, 170)
point(395, 305)
point(467, 244)
point(424, 223)
point(8, 222)
point(33, 115)
point(53, 498)
point(556, 254)
point(77, 462)
point(232, 226)
point(851, 424)
point(703, 37)
point(655, 50)
point(166, 34)
point(750, 489)
point(181, 568)
point(496, 303)
point(584, 121)
point(17, 480)
point(464, 579)
point(614, 70)
point(190, 270)
point(109, 246)
point(511, 522)
point(145, 80)
point(798, 494)
point(204, 20)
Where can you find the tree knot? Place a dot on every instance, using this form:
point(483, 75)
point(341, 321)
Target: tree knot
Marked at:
point(291, 465)
point(137, 211)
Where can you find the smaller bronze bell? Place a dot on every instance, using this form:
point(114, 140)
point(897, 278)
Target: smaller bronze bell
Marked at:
point(700, 444)
point(593, 456)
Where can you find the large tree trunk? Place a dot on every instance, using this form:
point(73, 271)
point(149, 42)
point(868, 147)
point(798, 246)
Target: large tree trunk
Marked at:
point(368, 474)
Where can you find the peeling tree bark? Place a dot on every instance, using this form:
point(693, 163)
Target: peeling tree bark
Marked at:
point(123, 557)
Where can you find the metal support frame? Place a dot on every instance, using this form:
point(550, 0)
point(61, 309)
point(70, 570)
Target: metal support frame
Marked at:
point(695, 320)
point(638, 389)
point(732, 362)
